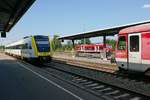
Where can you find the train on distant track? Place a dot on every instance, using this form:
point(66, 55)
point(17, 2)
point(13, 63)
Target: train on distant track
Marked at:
point(33, 48)
point(94, 50)
point(132, 51)
point(133, 48)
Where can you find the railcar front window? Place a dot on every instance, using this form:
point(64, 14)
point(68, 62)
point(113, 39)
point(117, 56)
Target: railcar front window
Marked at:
point(42, 43)
point(122, 43)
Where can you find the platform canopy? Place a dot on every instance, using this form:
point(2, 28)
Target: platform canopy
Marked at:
point(11, 11)
point(111, 31)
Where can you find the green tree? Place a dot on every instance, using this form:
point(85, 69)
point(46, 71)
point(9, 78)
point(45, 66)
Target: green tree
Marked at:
point(56, 44)
point(2, 47)
point(69, 45)
point(111, 42)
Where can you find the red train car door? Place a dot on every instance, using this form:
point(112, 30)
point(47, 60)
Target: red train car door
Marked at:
point(134, 51)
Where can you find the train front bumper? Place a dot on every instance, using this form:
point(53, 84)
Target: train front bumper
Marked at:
point(44, 58)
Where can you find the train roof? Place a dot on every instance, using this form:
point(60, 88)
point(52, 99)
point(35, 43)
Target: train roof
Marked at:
point(11, 11)
point(136, 29)
point(111, 31)
point(20, 41)
point(35, 36)
point(15, 43)
point(98, 44)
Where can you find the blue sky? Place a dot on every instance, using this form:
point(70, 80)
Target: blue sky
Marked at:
point(66, 17)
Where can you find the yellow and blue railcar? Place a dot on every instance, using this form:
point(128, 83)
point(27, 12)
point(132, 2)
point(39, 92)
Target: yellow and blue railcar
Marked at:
point(36, 47)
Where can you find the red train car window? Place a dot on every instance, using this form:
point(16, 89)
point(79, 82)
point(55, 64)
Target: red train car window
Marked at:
point(122, 43)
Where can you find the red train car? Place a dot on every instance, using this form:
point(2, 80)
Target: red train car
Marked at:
point(133, 48)
point(92, 48)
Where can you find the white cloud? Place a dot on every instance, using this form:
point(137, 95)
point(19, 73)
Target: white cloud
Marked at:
point(146, 6)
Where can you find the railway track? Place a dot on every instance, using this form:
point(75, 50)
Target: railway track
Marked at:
point(139, 85)
point(100, 89)
point(104, 84)
point(106, 91)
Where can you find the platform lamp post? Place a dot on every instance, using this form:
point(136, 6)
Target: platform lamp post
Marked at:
point(104, 43)
point(84, 41)
point(73, 44)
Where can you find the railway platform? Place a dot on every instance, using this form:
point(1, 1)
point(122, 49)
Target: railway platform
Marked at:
point(90, 63)
point(57, 81)
point(70, 55)
point(21, 81)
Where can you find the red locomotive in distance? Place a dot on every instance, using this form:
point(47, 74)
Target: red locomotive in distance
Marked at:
point(93, 48)
point(96, 50)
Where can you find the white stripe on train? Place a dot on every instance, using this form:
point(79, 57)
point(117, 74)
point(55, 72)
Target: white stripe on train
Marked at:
point(125, 60)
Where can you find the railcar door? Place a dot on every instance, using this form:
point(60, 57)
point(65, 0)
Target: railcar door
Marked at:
point(134, 51)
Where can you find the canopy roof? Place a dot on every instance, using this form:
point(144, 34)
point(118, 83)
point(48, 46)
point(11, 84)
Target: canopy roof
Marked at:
point(111, 31)
point(11, 11)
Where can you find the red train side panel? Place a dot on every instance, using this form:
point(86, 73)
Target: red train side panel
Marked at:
point(145, 45)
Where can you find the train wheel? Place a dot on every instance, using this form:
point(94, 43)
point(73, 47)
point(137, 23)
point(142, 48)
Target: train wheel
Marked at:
point(121, 69)
point(50, 59)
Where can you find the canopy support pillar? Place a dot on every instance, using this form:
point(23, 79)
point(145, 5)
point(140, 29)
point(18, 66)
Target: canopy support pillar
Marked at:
point(103, 54)
point(104, 41)
point(73, 44)
point(73, 50)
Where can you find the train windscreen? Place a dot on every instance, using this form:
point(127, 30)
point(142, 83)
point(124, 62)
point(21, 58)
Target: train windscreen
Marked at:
point(42, 43)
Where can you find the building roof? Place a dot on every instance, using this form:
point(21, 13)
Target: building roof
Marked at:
point(11, 11)
point(111, 31)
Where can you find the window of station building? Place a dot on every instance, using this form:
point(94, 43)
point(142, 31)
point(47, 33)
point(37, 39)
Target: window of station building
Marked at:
point(122, 43)
point(134, 43)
